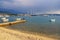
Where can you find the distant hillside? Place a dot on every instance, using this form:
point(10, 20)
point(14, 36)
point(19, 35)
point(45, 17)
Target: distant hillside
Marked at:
point(7, 12)
point(4, 12)
point(11, 11)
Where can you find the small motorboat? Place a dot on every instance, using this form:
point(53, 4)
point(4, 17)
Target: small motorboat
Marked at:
point(18, 18)
point(3, 18)
point(52, 20)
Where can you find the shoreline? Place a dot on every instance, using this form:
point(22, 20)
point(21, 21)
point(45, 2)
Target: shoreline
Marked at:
point(11, 23)
point(39, 34)
point(21, 36)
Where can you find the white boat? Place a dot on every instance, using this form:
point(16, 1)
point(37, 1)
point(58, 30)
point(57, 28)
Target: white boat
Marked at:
point(18, 18)
point(7, 16)
point(52, 20)
point(45, 15)
point(1, 15)
point(4, 19)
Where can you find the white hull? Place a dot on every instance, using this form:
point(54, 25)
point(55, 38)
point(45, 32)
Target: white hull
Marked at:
point(52, 20)
point(5, 19)
point(18, 18)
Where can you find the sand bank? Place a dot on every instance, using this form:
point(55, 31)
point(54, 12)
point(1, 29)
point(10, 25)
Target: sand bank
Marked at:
point(11, 23)
point(7, 34)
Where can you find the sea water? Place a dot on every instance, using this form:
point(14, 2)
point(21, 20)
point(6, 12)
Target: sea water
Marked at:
point(39, 24)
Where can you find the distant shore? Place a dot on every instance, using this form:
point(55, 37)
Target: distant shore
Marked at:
point(7, 34)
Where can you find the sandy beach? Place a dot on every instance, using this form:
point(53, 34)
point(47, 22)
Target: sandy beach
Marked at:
point(7, 34)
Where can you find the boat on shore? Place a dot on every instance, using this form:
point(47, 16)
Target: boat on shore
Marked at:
point(5, 21)
point(52, 20)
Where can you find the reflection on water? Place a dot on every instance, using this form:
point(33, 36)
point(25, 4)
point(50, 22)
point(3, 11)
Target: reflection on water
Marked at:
point(39, 24)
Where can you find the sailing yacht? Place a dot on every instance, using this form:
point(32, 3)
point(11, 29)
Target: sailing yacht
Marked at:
point(52, 19)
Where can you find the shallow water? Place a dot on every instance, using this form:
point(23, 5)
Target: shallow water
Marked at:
point(39, 24)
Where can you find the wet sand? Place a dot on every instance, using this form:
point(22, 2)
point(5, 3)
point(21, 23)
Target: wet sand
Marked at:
point(7, 34)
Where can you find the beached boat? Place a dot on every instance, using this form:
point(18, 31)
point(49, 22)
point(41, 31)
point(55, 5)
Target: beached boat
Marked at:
point(4, 19)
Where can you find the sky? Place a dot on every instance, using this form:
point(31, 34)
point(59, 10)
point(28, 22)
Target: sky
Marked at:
point(31, 6)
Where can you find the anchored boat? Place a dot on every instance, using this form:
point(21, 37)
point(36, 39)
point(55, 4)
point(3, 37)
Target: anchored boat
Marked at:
point(52, 20)
point(18, 19)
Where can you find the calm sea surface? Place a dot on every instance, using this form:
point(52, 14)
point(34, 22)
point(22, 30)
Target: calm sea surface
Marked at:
point(39, 24)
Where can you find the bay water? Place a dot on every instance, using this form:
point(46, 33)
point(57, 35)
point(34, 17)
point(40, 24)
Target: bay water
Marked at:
point(39, 24)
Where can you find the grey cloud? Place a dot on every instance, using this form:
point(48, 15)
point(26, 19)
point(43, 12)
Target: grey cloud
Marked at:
point(28, 5)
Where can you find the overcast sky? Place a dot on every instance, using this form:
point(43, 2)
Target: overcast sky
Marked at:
point(38, 6)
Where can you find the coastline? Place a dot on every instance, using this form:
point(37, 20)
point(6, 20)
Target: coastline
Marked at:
point(11, 23)
point(7, 34)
